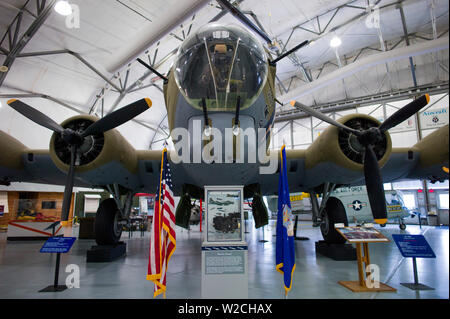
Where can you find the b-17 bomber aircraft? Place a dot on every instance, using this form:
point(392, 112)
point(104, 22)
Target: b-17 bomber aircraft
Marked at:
point(222, 84)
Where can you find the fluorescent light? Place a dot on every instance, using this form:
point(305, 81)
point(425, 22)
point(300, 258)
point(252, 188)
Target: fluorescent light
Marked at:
point(63, 8)
point(335, 42)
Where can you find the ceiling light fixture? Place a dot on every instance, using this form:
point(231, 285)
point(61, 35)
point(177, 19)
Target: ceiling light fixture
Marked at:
point(63, 8)
point(335, 42)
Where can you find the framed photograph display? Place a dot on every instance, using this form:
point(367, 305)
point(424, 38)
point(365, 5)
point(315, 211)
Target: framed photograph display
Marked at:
point(224, 214)
point(361, 234)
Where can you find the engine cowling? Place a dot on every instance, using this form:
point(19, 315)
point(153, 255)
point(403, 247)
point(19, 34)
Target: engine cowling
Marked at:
point(343, 149)
point(99, 156)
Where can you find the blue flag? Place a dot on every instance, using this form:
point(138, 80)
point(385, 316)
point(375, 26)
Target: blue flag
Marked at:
point(285, 250)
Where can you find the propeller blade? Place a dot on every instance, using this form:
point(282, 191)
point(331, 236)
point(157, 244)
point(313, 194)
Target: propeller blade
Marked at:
point(374, 185)
point(405, 113)
point(34, 115)
point(241, 17)
point(118, 117)
point(69, 188)
point(323, 117)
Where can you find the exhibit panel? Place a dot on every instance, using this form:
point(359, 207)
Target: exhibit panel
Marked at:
point(224, 249)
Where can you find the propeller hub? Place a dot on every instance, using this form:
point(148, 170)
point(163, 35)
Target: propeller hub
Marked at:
point(354, 143)
point(72, 137)
point(371, 136)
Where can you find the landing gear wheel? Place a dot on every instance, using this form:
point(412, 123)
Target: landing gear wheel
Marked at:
point(107, 228)
point(383, 225)
point(334, 213)
point(402, 226)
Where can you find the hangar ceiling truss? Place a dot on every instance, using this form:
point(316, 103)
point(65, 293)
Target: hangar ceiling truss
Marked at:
point(301, 71)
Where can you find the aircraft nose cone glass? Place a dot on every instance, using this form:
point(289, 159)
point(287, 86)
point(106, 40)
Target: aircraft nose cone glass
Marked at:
point(220, 63)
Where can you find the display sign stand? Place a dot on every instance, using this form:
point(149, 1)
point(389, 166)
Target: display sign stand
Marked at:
point(57, 245)
point(364, 236)
point(263, 240)
point(414, 246)
point(416, 285)
point(224, 250)
point(295, 230)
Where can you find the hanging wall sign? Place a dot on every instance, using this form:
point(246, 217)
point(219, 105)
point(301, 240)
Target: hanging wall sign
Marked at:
point(434, 118)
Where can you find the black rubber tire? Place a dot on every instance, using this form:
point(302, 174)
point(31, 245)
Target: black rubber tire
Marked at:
point(402, 226)
point(334, 213)
point(383, 225)
point(107, 232)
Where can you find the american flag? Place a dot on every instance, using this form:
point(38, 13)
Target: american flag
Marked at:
point(162, 236)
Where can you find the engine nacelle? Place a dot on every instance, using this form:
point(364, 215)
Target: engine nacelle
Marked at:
point(11, 164)
point(102, 159)
point(433, 156)
point(343, 149)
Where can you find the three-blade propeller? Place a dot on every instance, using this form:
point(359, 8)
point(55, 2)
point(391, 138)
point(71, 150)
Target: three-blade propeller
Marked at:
point(368, 139)
point(76, 138)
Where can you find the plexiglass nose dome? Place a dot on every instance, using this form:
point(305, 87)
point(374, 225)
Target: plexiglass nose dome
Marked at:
point(221, 63)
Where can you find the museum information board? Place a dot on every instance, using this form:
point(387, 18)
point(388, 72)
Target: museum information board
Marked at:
point(224, 250)
point(413, 246)
point(58, 245)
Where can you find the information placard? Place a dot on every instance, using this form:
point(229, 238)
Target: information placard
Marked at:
point(58, 245)
point(224, 261)
point(361, 234)
point(413, 246)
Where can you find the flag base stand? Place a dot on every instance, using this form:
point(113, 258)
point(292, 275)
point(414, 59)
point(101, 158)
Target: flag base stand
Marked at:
point(106, 253)
point(52, 288)
point(339, 252)
point(360, 285)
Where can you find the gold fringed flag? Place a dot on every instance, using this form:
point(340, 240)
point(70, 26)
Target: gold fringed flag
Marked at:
point(285, 249)
point(162, 236)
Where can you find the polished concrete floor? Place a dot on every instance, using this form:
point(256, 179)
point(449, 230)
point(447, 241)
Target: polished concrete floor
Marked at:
point(24, 271)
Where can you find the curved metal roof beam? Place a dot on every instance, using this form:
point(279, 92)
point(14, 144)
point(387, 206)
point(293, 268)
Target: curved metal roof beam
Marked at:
point(365, 63)
point(154, 32)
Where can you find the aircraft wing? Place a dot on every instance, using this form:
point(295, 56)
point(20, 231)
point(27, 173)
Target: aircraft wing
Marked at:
point(118, 163)
point(21, 164)
point(324, 162)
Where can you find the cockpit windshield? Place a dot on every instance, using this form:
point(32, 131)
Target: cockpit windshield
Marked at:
point(219, 64)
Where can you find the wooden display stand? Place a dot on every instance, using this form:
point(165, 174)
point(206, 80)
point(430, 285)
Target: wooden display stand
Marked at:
point(363, 260)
